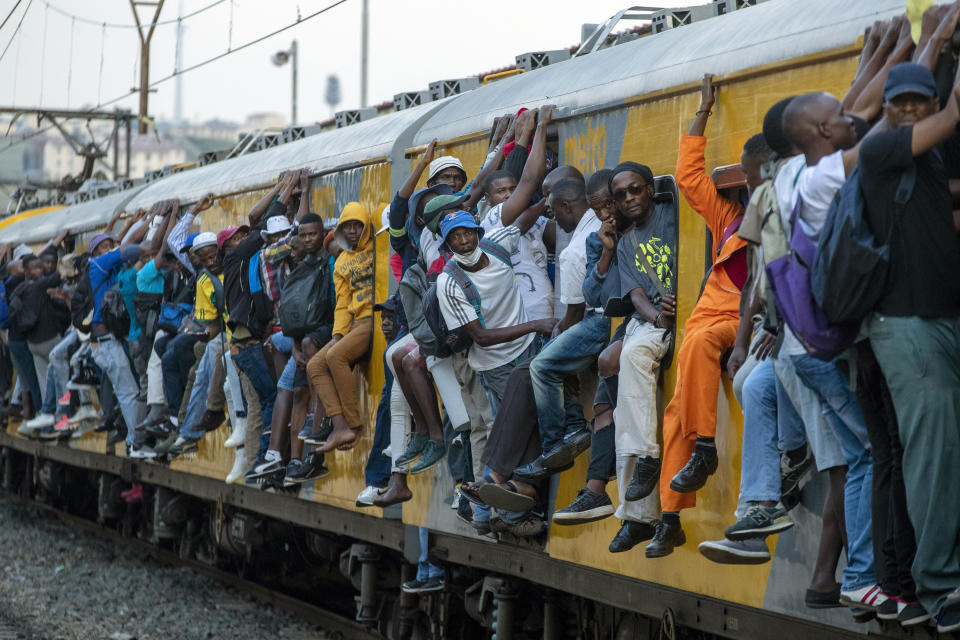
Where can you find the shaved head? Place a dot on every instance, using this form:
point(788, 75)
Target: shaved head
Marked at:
point(815, 121)
point(558, 174)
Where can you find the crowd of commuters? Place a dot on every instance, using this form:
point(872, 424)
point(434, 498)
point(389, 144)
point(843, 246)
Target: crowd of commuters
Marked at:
point(159, 334)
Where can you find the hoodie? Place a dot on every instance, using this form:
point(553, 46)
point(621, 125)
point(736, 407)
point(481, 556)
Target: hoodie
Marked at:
point(353, 272)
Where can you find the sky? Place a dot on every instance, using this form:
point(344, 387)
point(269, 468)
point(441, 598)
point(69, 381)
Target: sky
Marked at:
point(57, 62)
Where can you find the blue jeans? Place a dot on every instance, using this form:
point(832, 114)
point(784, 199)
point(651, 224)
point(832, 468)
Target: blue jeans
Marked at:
point(113, 361)
point(250, 360)
point(843, 413)
point(58, 372)
point(175, 363)
point(197, 403)
point(26, 371)
point(770, 426)
point(568, 354)
point(377, 471)
point(426, 570)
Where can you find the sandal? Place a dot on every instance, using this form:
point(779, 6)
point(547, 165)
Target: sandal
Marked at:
point(506, 496)
point(471, 491)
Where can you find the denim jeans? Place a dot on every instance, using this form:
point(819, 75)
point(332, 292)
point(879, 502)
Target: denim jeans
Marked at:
point(58, 372)
point(197, 403)
point(115, 364)
point(26, 371)
point(377, 471)
point(568, 354)
point(176, 362)
point(249, 359)
point(843, 413)
point(769, 427)
point(425, 569)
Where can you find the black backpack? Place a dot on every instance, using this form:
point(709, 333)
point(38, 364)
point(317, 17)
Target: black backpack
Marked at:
point(23, 318)
point(458, 340)
point(114, 312)
point(305, 298)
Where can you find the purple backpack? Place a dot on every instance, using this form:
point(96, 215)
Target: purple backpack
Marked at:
point(789, 278)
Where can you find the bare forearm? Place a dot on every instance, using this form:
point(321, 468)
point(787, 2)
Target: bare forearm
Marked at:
point(261, 207)
point(643, 306)
point(490, 337)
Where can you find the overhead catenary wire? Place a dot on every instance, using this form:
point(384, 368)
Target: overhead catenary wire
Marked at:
point(4, 23)
point(114, 25)
point(187, 69)
point(13, 36)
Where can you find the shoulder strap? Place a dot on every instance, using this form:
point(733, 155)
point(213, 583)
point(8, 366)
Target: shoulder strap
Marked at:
point(469, 289)
point(497, 250)
point(217, 292)
point(645, 264)
point(905, 187)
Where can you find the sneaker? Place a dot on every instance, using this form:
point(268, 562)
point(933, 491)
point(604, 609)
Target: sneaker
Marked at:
point(85, 412)
point(528, 526)
point(912, 613)
point(759, 522)
point(365, 498)
point(631, 534)
point(251, 474)
point(210, 420)
point(310, 468)
point(457, 442)
point(750, 551)
point(792, 475)
point(50, 433)
point(239, 466)
point(64, 425)
point(160, 430)
point(433, 453)
point(41, 421)
point(421, 586)
point(116, 436)
point(646, 478)
point(948, 621)
point(862, 616)
point(456, 497)
point(889, 609)
point(306, 428)
point(272, 481)
point(294, 470)
point(265, 468)
point(157, 413)
point(320, 433)
point(417, 445)
point(693, 476)
point(586, 507)
point(666, 538)
point(869, 597)
point(182, 445)
point(162, 446)
point(141, 452)
point(482, 527)
point(465, 511)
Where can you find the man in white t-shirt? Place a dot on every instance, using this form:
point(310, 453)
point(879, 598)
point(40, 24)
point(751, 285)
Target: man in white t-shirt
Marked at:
point(817, 125)
point(584, 333)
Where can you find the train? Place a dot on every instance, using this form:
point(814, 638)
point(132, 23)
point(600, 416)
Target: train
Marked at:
point(627, 102)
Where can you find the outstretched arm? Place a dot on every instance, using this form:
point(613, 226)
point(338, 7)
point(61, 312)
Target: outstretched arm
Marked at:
point(534, 170)
point(260, 208)
point(305, 194)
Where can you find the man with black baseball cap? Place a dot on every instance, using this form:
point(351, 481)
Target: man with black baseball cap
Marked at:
point(915, 331)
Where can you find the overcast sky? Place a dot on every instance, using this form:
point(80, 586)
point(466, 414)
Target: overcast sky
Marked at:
point(412, 42)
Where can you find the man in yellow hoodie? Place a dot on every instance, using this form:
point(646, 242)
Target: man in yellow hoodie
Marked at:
point(329, 369)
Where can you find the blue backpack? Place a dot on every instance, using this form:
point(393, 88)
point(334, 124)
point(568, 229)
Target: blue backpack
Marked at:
point(850, 269)
point(4, 307)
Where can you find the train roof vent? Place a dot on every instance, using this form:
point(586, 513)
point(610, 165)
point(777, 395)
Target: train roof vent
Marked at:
point(679, 16)
point(722, 7)
point(409, 99)
point(537, 59)
point(290, 134)
point(353, 116)
point(446, 88)
point(213, 156)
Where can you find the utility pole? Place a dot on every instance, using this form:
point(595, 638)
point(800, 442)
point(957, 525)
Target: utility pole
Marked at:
point(145, 39)
point(364, 46)
point(293, 100)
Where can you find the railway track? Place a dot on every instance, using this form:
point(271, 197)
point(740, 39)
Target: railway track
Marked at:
point(334, 626)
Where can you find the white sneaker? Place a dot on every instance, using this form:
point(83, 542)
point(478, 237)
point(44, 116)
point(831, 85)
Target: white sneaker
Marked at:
point(868, 597)
point(456, 498)
point(240, 466)
point(41, 421)
point(365, 499)
point(142, 452)
point(751, 551)
point(239, 434)
point(387, 452)
point(85, 412)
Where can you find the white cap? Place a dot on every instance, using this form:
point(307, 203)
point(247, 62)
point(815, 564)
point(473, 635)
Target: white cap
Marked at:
point(21, 250)
point(384, 220)
point(444, 162)
point(204, 239)
point(275, 224)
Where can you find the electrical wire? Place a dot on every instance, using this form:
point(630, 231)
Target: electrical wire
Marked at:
point(115, 25)
point(190, 68)
point(4, 23)
point(17, 30)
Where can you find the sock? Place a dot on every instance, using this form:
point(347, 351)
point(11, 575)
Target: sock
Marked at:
point(271, 455)
point(704, 441)
point(672, 518)
point(292, 460)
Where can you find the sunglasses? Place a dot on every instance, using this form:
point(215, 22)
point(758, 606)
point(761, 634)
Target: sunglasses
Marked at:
point(620, 195)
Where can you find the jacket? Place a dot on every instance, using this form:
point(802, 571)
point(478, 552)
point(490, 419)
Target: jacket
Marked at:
point(413, 286)
point(353, 272)
point(248, 303)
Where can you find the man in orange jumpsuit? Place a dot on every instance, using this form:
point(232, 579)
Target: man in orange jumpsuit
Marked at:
point(690, 420)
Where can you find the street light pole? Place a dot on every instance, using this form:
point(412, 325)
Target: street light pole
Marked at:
point(293, 99)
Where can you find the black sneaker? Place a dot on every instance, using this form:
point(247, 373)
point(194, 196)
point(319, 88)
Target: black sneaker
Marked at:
point(251, 474)
point(182, 445)
point(752, 551)
point(272, 481)
point(158, 413)
point(760, 522)
point(421, 586)
point(912, 613)
point(666, 538)
point(265, 468)
point(307, 427)
point(320, 433)
point(310, 468)
point(586, 507)
point(693, 476)
point(948, 621)
point(465, 511)
point(569, 448)
point(630, 535)
point(646, 477)
point(51, 433)
point(163, 446)
point(160, 430)
point(116, 436)
point(791, 475)
point(889, 609)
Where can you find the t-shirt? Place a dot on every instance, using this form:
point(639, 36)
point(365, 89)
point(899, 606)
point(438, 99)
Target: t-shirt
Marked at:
point(572, 261)
point(150, 279)
point(530, 265)
point(501, 304)
point(127, 285)
point(924, 255)
point(103, 275)
point(655, 242)
point(205, 309)
point(430, 247)
point(786, 184)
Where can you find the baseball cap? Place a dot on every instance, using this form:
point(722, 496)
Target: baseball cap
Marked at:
point(227, 233)
point(438, 189)
point(204, 239)
point(21, 250)
point(909, 77)
point(389, 305)
point(457, 220)
point(444, 162)
point(432, 212)
point(130, 253)
point(97, 239)
point(188, 242)
point(275, 224)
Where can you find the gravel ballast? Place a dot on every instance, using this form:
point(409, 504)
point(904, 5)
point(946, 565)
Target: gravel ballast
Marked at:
point(56, 583)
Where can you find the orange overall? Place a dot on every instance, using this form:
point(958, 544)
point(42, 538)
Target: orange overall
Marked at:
point(710, 330)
